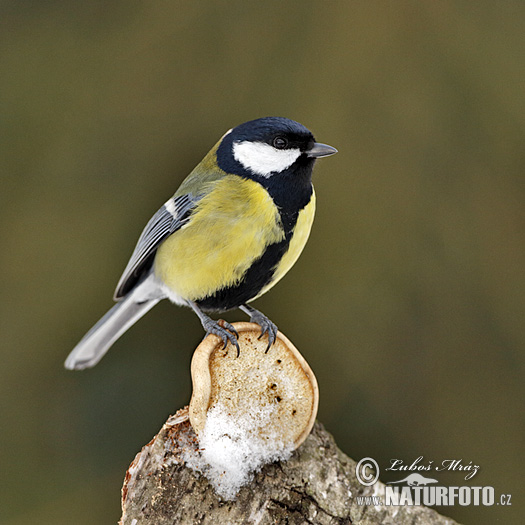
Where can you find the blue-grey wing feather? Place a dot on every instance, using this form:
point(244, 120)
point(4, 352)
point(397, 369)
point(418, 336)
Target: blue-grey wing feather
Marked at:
point(171, 217)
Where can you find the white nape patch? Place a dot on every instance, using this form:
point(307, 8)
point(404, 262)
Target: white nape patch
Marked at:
point(232, 450)
point(262, 159)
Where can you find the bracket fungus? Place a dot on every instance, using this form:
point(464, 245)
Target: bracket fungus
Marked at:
point(248, 410)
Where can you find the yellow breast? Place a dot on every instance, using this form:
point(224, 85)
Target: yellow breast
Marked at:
point(229, 229)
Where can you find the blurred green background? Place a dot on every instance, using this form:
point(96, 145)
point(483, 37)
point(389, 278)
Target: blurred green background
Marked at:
point(408, 301)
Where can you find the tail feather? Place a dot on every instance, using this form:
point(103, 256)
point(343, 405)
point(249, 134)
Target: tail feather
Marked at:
point(99, 339)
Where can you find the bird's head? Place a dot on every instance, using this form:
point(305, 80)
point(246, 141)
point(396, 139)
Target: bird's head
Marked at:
point(268, 146)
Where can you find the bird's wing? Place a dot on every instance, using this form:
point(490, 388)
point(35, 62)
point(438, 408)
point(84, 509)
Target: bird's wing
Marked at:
point(171, 217)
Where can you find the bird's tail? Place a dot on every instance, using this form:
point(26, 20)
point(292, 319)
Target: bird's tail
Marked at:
point(99, 339)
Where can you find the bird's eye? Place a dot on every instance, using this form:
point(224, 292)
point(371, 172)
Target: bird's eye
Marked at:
point(280, 142)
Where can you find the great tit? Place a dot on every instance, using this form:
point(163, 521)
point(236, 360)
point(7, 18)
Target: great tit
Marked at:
point(232, 230)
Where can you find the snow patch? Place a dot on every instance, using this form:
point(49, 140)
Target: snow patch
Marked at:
point(232, 449)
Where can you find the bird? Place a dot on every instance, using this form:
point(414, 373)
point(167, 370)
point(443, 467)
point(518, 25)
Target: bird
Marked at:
point(232, 230)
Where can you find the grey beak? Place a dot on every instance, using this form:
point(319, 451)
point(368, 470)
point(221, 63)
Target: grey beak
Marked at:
point(321, 150)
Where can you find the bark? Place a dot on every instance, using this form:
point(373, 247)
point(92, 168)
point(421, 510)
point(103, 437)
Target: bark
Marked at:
point(317, 485)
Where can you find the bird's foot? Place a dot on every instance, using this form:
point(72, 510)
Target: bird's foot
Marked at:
point(267, 326)
point(224, 330)
point(220, 328)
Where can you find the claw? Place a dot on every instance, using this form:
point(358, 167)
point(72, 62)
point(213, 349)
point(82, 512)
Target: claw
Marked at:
point(228, 329)
point(271, 330)
point(225, 324)
point(223, 330)
point(267, 327)
point(223, 333)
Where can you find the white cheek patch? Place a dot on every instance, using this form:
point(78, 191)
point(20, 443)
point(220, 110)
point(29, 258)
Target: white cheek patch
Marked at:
point(263, 159)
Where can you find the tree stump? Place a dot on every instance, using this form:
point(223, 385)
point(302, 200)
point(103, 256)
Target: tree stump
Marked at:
point(317, 485)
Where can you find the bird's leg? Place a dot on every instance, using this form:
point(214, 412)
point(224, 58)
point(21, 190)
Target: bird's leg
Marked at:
point(266, 325)
point(224, 330)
